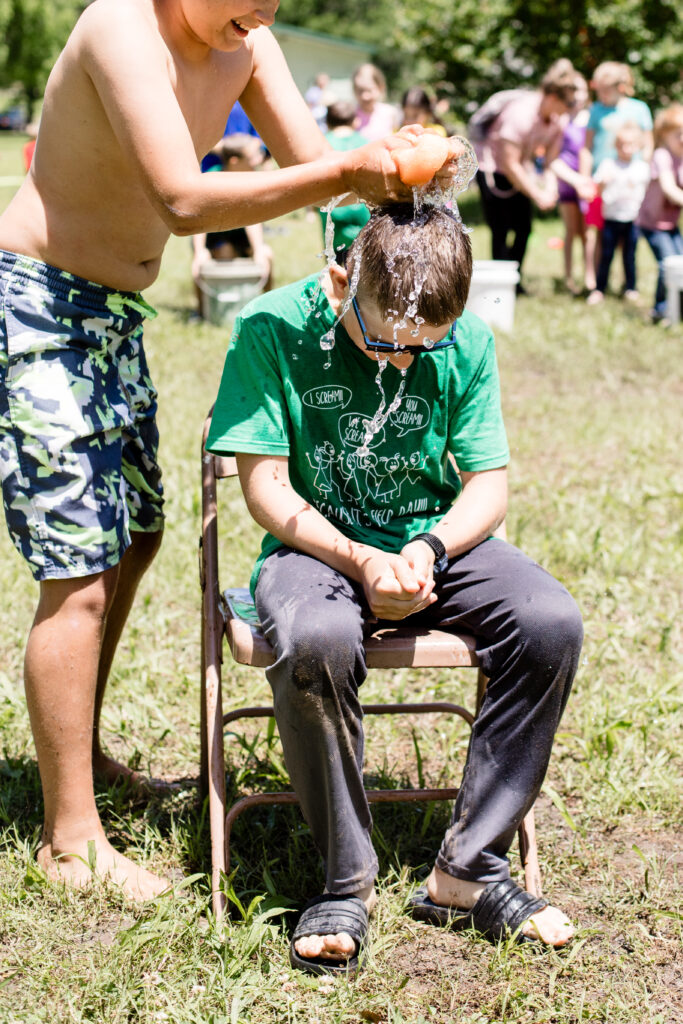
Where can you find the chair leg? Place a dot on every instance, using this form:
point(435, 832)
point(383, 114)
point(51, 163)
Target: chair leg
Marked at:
point(216, 782)
point(203, 738)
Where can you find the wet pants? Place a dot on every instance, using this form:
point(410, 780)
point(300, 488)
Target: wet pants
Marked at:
point(528, 632)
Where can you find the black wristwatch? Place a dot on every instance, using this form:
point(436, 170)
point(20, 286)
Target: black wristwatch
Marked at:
point(440, 556)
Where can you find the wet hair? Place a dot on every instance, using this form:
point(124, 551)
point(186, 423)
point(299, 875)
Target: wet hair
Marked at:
point(377, 76)
point(560, 80)
point(389, 249)
point(666, 121)
point(611, 72)
point(341, 114)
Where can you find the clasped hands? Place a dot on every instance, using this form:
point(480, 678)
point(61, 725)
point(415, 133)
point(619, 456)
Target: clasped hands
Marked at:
point(398, 585)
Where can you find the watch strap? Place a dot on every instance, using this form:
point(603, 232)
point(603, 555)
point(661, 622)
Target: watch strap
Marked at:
point(434, 543)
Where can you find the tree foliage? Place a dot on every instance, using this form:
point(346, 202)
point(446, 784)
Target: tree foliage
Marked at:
point(33, 33)
point(468, 49)
point(463, 50)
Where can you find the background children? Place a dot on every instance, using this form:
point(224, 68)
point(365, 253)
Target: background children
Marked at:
point(622, 183)
point(418, 108)
point(661, 208)
point(614, 105)
point(236, 153)
point(374, 117)
point(363, 529)
point(349, 218)
point(573, 186)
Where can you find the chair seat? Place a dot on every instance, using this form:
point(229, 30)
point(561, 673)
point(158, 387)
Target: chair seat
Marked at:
point(390, 647)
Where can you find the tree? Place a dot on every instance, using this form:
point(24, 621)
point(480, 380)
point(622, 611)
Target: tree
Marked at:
point(469, 49)
point(478, 46)
point(34, 32)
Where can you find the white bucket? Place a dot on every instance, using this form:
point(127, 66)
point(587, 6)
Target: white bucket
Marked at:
point(492, 292)
point(673, 275)
point(226, 286)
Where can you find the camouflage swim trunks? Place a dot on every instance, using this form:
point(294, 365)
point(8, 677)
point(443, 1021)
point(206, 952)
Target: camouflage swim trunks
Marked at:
point(78, 437)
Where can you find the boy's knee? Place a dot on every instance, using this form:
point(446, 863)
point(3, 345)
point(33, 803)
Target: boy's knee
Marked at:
point(551, 627)
point(323, 653)
point(82, 598)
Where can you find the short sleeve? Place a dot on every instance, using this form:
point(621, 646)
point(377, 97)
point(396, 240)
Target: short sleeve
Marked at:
point(477, 438)
point(593, 119)
point(513, 123)
point(645, 117)
point(662, 161)
point(250, 414)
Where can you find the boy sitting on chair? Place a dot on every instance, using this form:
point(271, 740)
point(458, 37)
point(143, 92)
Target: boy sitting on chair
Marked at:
point(345, 458)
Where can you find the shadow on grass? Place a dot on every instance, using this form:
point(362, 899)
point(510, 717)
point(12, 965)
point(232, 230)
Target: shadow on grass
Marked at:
point(271, 847)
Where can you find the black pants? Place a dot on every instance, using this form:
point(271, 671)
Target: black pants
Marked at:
point(613, 232)
point(506, 213)
point(529, 633)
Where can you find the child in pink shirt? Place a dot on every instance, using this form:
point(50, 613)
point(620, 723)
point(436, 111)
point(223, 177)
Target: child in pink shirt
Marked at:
point(661, 208)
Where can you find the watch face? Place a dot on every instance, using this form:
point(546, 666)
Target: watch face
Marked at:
point(440, 565)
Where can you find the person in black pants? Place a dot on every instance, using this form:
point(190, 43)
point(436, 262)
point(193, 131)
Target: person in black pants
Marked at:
point(368, 522)
point(518, 136)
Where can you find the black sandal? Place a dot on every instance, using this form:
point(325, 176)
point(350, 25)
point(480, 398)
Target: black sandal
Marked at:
point(327, 915)
point(499, 912)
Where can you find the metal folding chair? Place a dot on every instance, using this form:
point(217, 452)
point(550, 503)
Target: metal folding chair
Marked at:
point(230, 615)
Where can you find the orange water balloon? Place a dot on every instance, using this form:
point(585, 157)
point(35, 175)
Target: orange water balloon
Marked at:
point(418, 163)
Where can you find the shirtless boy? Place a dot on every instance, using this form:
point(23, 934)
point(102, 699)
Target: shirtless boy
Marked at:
point(138, 80)
point(386, 530)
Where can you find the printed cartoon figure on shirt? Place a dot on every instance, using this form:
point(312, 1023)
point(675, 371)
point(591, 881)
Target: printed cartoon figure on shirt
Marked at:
point(358, 469)
point(323, 456)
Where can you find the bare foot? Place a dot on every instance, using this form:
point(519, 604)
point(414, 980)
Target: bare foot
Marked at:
point(72, 865)
point(595, 298)
point(549, 925)
point(335, 947)
point(571, 287)
point(112, 772)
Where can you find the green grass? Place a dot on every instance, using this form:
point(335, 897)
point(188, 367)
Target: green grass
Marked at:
point(592, 400)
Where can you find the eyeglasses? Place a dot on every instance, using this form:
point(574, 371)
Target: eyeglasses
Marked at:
point(375, 345)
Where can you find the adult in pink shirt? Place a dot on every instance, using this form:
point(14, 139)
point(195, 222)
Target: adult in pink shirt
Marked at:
point(520, 144)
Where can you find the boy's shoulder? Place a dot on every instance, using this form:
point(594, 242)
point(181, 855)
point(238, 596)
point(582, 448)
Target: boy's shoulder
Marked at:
point(294, 303)
point(473, 329)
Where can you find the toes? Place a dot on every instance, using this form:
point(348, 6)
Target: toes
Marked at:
point(326, 946)
point(550, 926)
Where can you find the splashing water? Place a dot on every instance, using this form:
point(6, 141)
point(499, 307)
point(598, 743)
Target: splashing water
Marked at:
point(328, 251)
point(373, 426)
point(432, 194)
point(327, 339)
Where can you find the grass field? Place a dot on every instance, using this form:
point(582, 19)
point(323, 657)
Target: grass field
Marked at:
point(592, 399)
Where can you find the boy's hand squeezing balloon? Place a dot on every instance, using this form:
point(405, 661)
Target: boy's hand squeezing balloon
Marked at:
point(422, 156)
point(411, 157)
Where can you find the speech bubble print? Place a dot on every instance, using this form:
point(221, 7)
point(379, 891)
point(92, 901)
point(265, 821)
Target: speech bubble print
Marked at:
point(412, 414)
point(328, 396)
point(352, 428)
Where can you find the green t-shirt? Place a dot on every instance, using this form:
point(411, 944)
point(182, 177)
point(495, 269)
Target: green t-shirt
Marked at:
point(278, 397)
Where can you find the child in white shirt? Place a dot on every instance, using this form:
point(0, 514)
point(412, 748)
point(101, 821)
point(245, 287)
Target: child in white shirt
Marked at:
point(622, 183)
